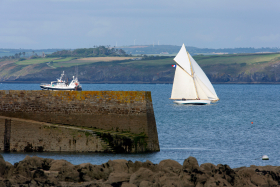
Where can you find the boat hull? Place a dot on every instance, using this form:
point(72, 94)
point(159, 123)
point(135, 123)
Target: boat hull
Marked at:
point(193, 102)
point(62, 89)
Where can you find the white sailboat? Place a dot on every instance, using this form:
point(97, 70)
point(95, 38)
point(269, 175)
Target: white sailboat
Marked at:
point(191, 85)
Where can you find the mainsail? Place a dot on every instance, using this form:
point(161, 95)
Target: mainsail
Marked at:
point(190, 82)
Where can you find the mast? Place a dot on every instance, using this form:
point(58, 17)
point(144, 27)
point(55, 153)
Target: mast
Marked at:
point(193, 76)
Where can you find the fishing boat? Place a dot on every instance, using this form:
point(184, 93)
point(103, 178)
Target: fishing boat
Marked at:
point(191, 85)
point(61, 84)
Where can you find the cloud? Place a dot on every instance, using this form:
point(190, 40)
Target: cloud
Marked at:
point(73, 23)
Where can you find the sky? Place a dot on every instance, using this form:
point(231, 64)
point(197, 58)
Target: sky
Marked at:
point(42, 24)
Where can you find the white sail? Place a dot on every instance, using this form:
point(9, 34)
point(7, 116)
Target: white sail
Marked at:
point(204, 81)
point(190, 82)
point(182, 59)
point(200, 90)
point(207, 94)
point(183, 85)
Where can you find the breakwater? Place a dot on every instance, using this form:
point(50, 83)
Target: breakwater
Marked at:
point(36, 171)
point(117, 121)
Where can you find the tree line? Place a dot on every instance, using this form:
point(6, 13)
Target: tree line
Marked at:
point(100, 51)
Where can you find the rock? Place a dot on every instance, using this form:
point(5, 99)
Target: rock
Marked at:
point(19, 179)
point(9, 164)
point(2, 166)
point(39, 175)
point(133, 167)
point(67, 171)
point(129, 185)
point(33, 162)
point(145, 184)
point(90, 172)
point(143, 174)
point(118, 178)
point(35, 171)
point(190, 164)
point(208, 168)
point(171, 165)
point(170, 181)
point(60, 165)
point(118, 165)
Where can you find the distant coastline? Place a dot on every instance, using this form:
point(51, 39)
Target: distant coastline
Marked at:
point(117, 67)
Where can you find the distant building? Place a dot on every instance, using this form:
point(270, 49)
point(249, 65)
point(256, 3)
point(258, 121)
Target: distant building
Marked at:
point(164, 53)
point(43, 55)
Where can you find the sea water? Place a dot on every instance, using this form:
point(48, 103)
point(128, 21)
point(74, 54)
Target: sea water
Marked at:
point(237, 130)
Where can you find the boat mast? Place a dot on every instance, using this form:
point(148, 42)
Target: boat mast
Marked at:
point(193, 76)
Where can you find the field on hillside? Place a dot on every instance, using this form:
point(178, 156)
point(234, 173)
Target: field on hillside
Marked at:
point(202, 60)
point(42, 60)
point(70, 61)
point(156, 62)
point(90, 60)
point(236, 58)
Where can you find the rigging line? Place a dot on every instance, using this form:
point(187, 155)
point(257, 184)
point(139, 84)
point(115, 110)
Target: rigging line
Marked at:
point(183, 69)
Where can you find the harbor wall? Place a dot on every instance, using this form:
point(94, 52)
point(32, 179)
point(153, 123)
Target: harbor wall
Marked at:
point(115, 111)
point(31, 136)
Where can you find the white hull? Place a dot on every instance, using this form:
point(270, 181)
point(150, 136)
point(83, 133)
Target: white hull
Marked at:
point(193, 102)
point(66, 88)
point(62, 85)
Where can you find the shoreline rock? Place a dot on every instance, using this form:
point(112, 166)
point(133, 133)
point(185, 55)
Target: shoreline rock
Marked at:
point(36, 171)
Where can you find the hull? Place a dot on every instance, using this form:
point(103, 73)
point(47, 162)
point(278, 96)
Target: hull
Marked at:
point(63, 88)
point(193, 102)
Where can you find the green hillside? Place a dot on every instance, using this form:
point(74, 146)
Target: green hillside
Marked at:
point(231, 68)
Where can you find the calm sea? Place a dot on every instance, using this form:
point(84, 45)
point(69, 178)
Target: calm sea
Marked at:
point(220, 133)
